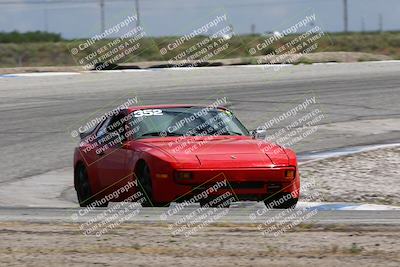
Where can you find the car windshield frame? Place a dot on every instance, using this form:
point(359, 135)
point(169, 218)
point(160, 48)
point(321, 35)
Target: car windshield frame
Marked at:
point(174, 123)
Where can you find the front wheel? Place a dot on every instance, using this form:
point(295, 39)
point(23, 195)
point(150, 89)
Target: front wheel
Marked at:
point(83, 189)
point(146, 188)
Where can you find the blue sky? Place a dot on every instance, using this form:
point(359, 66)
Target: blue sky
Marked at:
point(175, 17)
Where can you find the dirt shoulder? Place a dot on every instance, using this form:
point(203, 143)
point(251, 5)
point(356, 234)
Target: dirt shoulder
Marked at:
point(25, 244)
point(318, 57)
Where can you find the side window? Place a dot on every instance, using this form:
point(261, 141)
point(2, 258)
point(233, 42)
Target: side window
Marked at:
point(117, 125)
point(103, 128)
point(112, 132)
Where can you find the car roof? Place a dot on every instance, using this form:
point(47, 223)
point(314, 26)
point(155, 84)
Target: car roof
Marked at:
point(130, 109)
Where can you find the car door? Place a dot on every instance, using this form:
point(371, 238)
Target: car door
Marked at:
point(113, 171)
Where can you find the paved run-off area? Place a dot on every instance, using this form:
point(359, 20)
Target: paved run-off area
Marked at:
point(359, 102)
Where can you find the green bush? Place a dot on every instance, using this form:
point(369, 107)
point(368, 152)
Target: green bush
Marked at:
point(29, 37)
point(49, 49)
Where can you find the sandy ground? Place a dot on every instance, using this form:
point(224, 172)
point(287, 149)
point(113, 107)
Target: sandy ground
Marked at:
point(218, 245)
point(367, 177)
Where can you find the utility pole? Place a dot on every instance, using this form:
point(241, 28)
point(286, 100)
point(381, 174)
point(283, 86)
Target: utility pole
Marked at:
point(46, 24)
point(253, 29)
point(137, 13)
point(345, 16)
point(362, 24)
point(102, 17)
point(380, 23)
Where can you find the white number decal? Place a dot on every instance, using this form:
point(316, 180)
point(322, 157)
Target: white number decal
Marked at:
point(157, 112)
point(148, 112)
point(138, 113)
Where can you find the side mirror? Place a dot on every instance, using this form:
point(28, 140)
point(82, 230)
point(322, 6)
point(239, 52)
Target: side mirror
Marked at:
point(258, 134)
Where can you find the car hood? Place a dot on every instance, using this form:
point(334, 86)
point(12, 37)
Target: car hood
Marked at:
point(223, 152)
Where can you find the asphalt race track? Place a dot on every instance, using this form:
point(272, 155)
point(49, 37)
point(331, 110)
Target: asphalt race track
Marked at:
point(235, 215)
point(360, 102)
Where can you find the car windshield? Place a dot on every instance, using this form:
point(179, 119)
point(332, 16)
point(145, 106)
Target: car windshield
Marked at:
point(191, 121)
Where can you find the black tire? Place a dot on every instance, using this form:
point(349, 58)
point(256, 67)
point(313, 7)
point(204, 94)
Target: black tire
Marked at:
point(278, 202)
point(146, 187)
point(83, 189)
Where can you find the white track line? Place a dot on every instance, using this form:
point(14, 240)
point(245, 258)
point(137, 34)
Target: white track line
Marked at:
point(39, 74)
point(338, 153)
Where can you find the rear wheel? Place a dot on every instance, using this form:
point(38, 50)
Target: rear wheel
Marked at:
point(281, 201)
point(83, 189)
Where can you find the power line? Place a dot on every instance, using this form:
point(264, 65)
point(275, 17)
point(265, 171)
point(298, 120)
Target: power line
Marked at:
point(263, 3)
point(139, 6)
point(41, 2)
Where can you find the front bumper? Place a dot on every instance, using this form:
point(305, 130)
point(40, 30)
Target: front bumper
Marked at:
point(254, 184)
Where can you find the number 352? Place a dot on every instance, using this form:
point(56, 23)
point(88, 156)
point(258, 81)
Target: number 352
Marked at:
point(148, 112)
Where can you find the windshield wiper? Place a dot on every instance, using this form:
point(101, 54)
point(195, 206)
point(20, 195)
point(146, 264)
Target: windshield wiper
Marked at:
point(160, 134)
point(230, 133)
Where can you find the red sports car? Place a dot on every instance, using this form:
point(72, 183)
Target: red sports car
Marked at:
point(173, 153)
